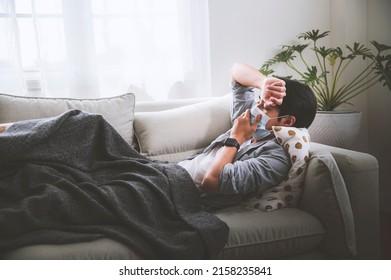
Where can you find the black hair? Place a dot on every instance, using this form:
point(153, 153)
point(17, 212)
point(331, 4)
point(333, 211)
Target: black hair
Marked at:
point(300, 102)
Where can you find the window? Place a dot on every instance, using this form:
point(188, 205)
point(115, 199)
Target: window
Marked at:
point(93, 48)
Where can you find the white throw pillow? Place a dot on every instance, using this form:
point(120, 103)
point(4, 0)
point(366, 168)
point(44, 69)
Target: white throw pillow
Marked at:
point(118, 111)
point(296, 141)
point(175, 134)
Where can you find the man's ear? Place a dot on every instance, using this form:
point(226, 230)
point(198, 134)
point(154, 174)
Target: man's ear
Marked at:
point(289, 121)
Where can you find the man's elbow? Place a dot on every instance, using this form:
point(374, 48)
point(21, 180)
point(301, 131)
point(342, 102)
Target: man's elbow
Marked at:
point(210, 183)
point(235, 68)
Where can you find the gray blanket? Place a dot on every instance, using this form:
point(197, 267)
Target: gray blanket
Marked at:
point(73, 178)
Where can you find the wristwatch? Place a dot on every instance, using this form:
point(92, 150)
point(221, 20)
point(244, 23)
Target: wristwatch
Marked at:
point(230, 142)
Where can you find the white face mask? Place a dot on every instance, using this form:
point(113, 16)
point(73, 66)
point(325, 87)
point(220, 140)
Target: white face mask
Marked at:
point(261, 131)
point(264, 120)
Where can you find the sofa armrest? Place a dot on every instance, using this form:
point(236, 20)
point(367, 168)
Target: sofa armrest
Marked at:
point(360, 173)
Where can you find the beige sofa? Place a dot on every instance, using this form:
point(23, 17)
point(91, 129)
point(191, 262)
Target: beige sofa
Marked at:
point(337, 216)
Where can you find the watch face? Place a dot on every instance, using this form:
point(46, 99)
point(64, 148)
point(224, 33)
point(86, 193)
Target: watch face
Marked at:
point(232, 143)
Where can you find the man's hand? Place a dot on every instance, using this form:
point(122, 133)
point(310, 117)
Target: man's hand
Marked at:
point(273, 91)
point(243, 129)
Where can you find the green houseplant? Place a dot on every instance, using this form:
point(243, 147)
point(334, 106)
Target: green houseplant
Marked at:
point(326, 76)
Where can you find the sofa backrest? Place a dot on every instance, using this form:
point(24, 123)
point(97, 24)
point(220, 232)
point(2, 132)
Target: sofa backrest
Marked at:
point(175, 130)
point(161, 105)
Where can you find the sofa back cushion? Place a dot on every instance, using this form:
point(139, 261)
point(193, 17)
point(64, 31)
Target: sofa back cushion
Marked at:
point(175, 134)
point(118, 111)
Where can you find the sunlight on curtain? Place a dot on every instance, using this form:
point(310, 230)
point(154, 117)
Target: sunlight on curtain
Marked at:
point(96, 48)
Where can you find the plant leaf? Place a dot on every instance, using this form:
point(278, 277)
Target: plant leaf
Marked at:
point(298, 48)
point(358, 50)
point(383, 69)
point(380, 47)
point(313, 35)
point(266, 70)
point(311, 76)
point(323, 51)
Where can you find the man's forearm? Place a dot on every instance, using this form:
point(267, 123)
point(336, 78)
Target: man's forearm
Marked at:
point(247, 75)
point(211, 180)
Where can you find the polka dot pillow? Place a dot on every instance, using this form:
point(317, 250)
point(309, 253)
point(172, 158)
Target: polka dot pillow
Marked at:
point(296, 142)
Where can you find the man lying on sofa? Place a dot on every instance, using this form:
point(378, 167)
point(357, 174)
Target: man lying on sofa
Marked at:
point(73, 178)
point(248, 158)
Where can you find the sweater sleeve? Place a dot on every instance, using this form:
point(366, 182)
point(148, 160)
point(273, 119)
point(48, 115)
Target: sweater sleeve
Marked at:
point(255, 173)
point(242, 98)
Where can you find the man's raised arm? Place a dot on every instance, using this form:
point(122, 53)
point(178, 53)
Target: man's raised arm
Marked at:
point(273, 89)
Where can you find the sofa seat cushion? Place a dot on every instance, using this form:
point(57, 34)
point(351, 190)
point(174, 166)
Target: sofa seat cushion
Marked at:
point(255, 234)
point(100, 249)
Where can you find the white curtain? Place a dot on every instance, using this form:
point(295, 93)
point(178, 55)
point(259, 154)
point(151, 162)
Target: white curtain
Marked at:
point(94, 48)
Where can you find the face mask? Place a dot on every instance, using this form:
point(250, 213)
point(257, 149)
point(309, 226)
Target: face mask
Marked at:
point(261, 131)
point(264, 120)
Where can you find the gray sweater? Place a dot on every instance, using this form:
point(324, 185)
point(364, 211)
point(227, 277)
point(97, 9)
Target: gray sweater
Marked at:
point(255, 168)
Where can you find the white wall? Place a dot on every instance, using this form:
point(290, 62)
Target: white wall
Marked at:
point(253, 30)
point(348, 25)
point(379, 102)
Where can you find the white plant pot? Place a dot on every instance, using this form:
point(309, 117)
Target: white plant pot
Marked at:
point(336, 128)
